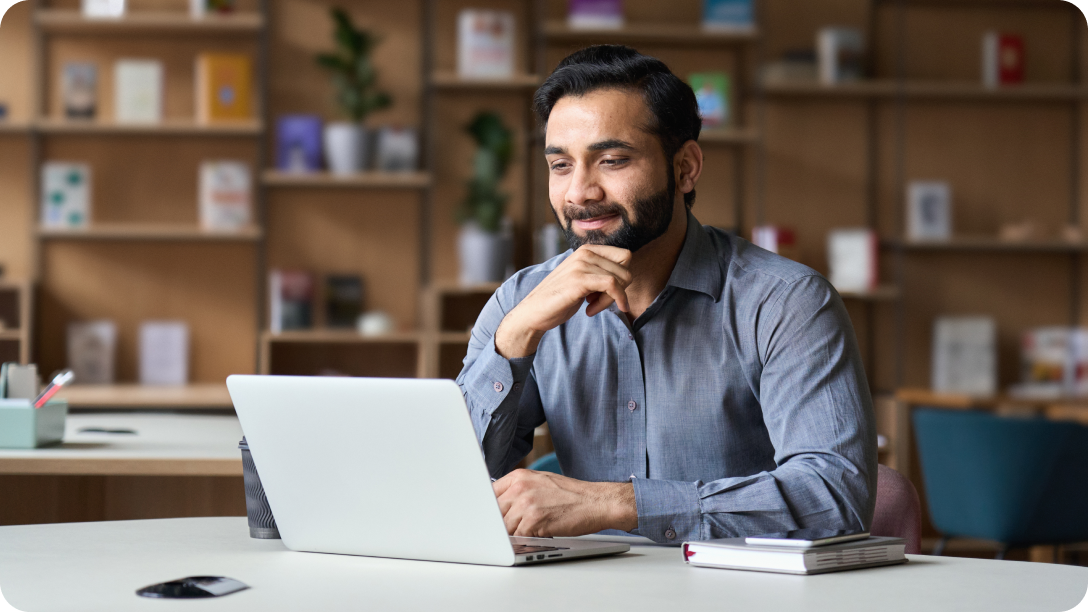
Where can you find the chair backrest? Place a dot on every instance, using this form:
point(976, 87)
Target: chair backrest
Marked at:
point(1014, 480)
point(898, 512)
point(547, 463)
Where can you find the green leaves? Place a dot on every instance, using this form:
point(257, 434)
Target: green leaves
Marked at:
point(353, 74)
point(484, 203)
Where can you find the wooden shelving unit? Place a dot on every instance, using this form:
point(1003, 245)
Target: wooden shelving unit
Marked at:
point(989, 244)
point(171, 127)
point(452, 81)
point(195, 396)
point(649, 33)
point(882, 293)
point(363, 180)
point(16, 321)
point(63, 21)
point(930, 90)
point(148, 232)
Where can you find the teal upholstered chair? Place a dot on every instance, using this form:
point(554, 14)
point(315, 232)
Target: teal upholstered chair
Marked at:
point(547, 463)
point(1017, 481)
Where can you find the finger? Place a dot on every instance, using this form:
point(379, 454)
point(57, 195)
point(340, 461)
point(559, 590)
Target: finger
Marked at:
point(501, 485)
point(606, 283)
point(620, 271)
point(597, 303)
point(512, 519)
point(616, 254)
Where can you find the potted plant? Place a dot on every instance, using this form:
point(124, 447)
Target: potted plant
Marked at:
point(355, 80)
point(485, 241)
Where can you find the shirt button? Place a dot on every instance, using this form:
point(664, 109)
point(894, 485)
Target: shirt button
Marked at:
point(631, 405)
point(633, 477)
point(630, 336)
point(498, 387)
point(670, 534)
point(517, 386)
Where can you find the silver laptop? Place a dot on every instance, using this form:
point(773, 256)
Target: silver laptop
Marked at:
point(381, 467)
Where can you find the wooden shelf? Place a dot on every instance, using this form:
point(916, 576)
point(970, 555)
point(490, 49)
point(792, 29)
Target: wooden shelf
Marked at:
point(665, 34)
point(882, 293)
point(11, 334)
point(166, 128)
point(336, 336)
point(196, 395)
point(147, 232)
point(454, 81)
point(454, 337)
point(729, 136)
point(934, 90)
point(362, 180)
point(455, 288)
point(73, 22)
point(7, 126)
point(989, 244)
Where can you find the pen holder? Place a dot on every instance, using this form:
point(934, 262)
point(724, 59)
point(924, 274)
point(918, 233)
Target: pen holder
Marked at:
point(23, 426)
point(262, 524)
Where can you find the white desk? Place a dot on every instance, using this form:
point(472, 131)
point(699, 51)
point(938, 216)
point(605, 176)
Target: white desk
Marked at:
point(98, 566)
point(164, 445)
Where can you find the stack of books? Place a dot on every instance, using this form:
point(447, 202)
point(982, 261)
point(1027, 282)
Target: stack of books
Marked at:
point(757, 554)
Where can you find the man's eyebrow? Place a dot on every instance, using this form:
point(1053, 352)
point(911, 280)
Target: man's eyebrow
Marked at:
point(554, 150)
point(604, 145)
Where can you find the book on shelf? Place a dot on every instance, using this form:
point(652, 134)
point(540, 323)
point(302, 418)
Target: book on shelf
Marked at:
point(298, 143)
point(202, 8)
point(728, 15)
point(164, 353)
point(712, 94)
point(66, 194)
point(776, 239)
point(595, 14)
point(1002, 59)
point(841, 55)
point(79, 90)
point(224, 87)
point(226, 195)
point(398, 149)
point(965, 355)
point(735, 553)
point(92, 349)
point(852, 259)
point(1053, 362)
point(929, 210)
point(343, 300)
point(291, 299)
point(138, 91)
point(103, 8)
point(485, 44)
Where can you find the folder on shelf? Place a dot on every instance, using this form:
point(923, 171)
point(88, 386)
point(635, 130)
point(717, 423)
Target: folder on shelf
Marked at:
point(224, 87)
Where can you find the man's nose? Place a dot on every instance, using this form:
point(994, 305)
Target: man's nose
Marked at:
point(584, 188)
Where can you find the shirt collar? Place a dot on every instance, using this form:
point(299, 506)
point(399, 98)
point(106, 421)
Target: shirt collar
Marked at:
point(697, 267)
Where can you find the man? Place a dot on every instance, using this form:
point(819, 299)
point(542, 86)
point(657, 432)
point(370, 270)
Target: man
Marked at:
point(695, 386)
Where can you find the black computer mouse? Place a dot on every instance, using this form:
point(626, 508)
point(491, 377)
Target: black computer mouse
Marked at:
point(193, 587)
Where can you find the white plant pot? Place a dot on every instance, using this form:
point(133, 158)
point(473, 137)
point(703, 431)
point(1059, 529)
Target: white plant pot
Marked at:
point(484, 255)
point(345, 147)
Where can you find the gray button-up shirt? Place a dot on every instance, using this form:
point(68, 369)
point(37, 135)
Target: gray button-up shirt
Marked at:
point(737, 403)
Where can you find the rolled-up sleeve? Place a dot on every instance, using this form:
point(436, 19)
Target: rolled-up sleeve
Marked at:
point(818, 413)
point(496, 388)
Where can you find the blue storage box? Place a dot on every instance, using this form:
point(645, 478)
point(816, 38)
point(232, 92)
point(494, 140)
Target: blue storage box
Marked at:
point(23, 426)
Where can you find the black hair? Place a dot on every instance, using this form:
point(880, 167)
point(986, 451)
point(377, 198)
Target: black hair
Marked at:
point(670, 100)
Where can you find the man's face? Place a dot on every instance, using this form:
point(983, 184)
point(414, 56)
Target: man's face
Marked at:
point(608, 180)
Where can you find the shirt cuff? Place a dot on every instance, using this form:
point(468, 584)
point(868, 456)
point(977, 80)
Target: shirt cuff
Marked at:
point(668, 510)
point(494, 377)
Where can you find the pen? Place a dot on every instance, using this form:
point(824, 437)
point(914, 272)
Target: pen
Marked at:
point(62, 378)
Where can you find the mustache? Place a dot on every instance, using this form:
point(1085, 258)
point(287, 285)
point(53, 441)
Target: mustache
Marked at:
point(592, 211)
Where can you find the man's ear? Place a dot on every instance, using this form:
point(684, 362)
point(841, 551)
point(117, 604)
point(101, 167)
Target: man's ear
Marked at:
point(688, 165)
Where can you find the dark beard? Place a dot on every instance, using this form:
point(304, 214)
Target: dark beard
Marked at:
point(653, 215)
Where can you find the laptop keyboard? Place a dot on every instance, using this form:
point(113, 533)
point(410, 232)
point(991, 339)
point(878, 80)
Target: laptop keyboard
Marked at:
point(524, 549)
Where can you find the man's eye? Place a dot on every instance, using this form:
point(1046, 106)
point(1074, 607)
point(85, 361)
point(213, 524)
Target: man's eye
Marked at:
point(559, 165)
point(614, 162)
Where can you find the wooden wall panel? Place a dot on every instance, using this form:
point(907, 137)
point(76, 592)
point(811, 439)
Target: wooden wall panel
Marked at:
point(16, 61)
point(1020, 290)
point(210, 286)
point(373, 233)
point(303, 28)
point(146, 178)
point(16, 209)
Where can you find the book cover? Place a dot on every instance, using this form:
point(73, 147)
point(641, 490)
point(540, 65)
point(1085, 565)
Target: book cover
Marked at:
point(728, 15)
point(66, 194)
point(841, 55)
point(852, 259)
point(398, 149)
point(776, 239)
point(965, 355)
point(735, 553)
point(343, 300)
point(79, 90)
point(226, 195)
point(202, 8)
point(164, 353)
point(92, 348)
point(224, 87)
point(712, 93)
point(1053, 362)
point(298, 143)
point(929, 210)
point(291, 298)
point(103, 8)
point(138, 91)
point(1002, 59)
point(595, 14)
point(485, 44)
